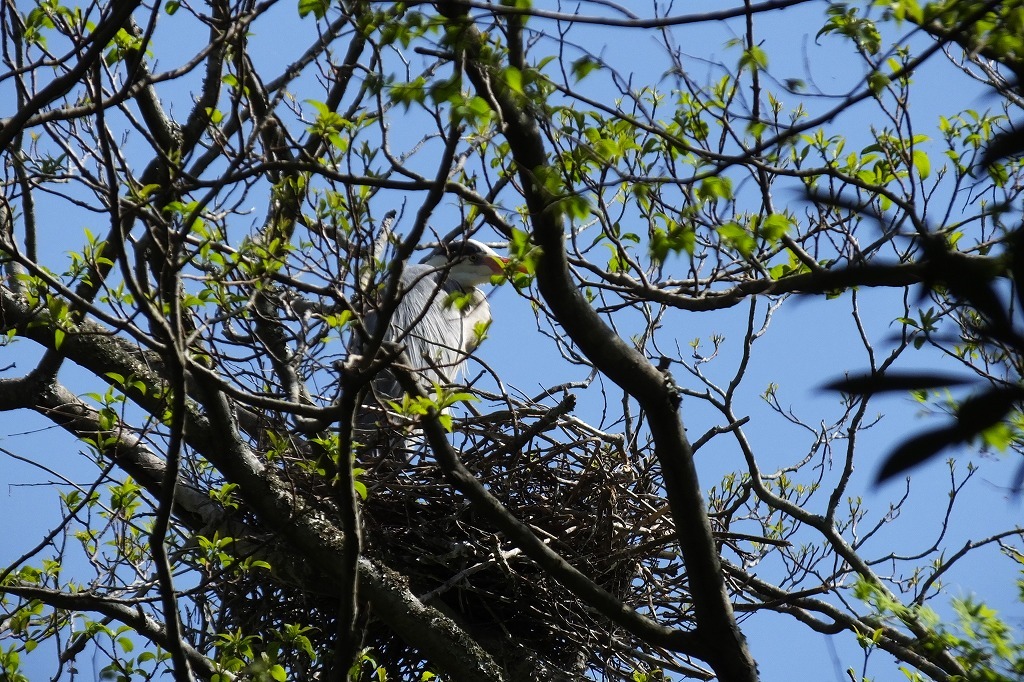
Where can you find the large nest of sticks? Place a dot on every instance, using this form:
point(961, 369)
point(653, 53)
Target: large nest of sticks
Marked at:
point(579, 489)
point(573, 488)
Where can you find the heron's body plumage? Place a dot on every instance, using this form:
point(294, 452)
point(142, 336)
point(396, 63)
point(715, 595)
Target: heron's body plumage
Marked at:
point(438, 334)
point(439, 315)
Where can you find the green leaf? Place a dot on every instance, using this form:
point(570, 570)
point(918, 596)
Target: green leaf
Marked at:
point(446, 90)
point(877, 82)
point(738, 237)
point(774, 226)
point(514, 79)
point(714, 188)
point(678, 238)
point(407, 93)
point(754, 59)
point(999, 436)
point(576, 206)
point(338, 320)
point(922, 164)
point(317, 8)
point(907, 9)
point(998, 173)
point(583, 67)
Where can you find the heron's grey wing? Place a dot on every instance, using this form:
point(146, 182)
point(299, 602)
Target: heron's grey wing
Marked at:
point(432, 331)
point(385, 386)
point(437, 337)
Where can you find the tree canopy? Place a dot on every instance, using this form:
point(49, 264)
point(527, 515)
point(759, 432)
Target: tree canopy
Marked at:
point(734, 234)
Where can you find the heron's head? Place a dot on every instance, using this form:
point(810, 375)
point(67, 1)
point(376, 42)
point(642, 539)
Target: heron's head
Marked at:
point(467, 262)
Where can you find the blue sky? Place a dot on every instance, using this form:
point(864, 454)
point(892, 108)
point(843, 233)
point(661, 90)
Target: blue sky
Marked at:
point(809, 342)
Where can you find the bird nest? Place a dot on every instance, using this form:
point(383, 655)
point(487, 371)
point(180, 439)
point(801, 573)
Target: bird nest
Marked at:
point(572, 488)
point(570, 483)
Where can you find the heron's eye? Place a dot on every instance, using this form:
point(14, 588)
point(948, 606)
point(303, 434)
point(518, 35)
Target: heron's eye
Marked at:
point(474, 258)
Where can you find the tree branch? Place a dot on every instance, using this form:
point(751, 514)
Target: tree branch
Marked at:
point(723, 644)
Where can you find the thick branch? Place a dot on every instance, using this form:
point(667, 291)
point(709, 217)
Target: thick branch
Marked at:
point(722, 642)
point(322, 544)
point(216, 438)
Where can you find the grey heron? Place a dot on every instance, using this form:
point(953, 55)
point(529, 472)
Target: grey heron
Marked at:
point(441, 313)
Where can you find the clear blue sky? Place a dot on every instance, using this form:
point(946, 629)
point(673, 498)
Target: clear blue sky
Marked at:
point(809, 341)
